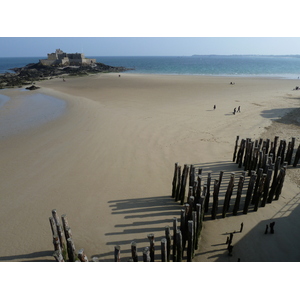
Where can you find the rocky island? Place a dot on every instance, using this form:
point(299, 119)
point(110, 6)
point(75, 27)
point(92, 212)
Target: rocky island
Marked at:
point(58, 64)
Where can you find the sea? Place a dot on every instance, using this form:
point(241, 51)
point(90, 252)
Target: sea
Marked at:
point(211, 65)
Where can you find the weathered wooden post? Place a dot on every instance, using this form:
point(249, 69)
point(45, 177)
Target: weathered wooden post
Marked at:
point(228, 195)
point(117, 253)
point(81, 256)
point(289, 158)
point(183, 183)
point(152, 250)
point(259, 174)
point(179, 246)
point(297, 157)
point(275, 146)
point(71, 250)
point(258, 194)
point(53, 226)
point(177, 194)
point(174, 238)
point(164, 250)
point(56, 243)
point(146, 255)
point(134, 252)
point(235, 148)
point(168, 239)
point(66, 227)
point(58, 256)
point(190, 240)
point(192, 175)
point(274, 182)
point(266, 187)
point(249, 192)
point(238, 195)
point(207, 196)
point(240, 155)
point(199, 225)
point(59, 229)
point(174, 183)
point(215, 200)
point(280, 182)
point(198, 190)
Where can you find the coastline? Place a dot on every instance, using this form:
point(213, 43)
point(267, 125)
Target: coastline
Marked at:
point(107, 162)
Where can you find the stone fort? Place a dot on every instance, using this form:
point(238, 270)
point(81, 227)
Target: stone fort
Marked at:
point(61, 58)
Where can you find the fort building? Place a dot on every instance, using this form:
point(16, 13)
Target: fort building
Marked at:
point(61, 58)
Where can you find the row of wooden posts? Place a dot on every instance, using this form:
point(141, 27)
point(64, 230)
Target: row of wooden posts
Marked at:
point(263, 162)
point(253, 155)
point(185, 238)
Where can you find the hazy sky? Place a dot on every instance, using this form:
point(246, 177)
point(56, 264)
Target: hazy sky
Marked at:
point(173, 46)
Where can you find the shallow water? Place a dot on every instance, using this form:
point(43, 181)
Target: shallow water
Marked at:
point(28, 111)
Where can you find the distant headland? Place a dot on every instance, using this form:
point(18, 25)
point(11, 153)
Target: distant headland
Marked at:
point(57, 64)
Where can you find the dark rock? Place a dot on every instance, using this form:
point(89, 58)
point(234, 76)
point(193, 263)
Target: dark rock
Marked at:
point(35, 72)
point(33, 87)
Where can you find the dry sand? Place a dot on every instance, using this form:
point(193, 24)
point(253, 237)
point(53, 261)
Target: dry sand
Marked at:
point(108, 161)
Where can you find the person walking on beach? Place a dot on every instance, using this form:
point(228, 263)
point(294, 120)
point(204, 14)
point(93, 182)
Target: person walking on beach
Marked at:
point(239, 109)
point(242, 225)
point(234, 110)
point(272, 227)
point(215, 107)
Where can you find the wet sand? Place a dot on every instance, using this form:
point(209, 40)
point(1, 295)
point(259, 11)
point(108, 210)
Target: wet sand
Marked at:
point(108, 161)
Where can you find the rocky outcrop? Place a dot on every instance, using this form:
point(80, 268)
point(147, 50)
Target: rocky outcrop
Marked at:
point(35, 72)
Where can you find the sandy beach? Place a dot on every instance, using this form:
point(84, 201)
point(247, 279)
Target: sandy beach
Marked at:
point(107, 162)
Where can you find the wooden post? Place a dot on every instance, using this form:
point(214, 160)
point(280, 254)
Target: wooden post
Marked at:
point(249, 192)
point(71, 250)
point(177, 195)
point(228, 195)
point(191, 203)
point(238, 195)
point(168, 239)
point(56, 243)
point(117, 253)
point(274, 182)
point(152, 250)
point(66, 227)
point(258, 194)
point(206, 203)
point(174, 181)
point(215, 200)
point(81, 256)
point(183, 183)
point(199, 225)
point(297, 157)
point(280, 182)
point(240, 154)
point(146, 255)
point(192, 175)
point(266, 187)
point(198, 190)
point(289, 159)
point(58, 256)
point(194, 231)
point(174, 238)
point(164, 250)
point(259, 174)
point(59, 230)
point(275, 146)
point(179, 246)
point(235, 148)
point(53, 226)
point(134, 252)
point(190, 240)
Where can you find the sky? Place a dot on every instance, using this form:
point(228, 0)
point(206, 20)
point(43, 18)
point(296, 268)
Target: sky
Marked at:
point(149, 46)
point(159, 27)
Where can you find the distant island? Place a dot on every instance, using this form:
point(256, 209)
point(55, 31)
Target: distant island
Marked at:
point(57, 64)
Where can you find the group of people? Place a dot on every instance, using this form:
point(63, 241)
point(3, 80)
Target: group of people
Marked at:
point(236, 110)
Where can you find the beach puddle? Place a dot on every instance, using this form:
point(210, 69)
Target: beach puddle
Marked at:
point(25, 112)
